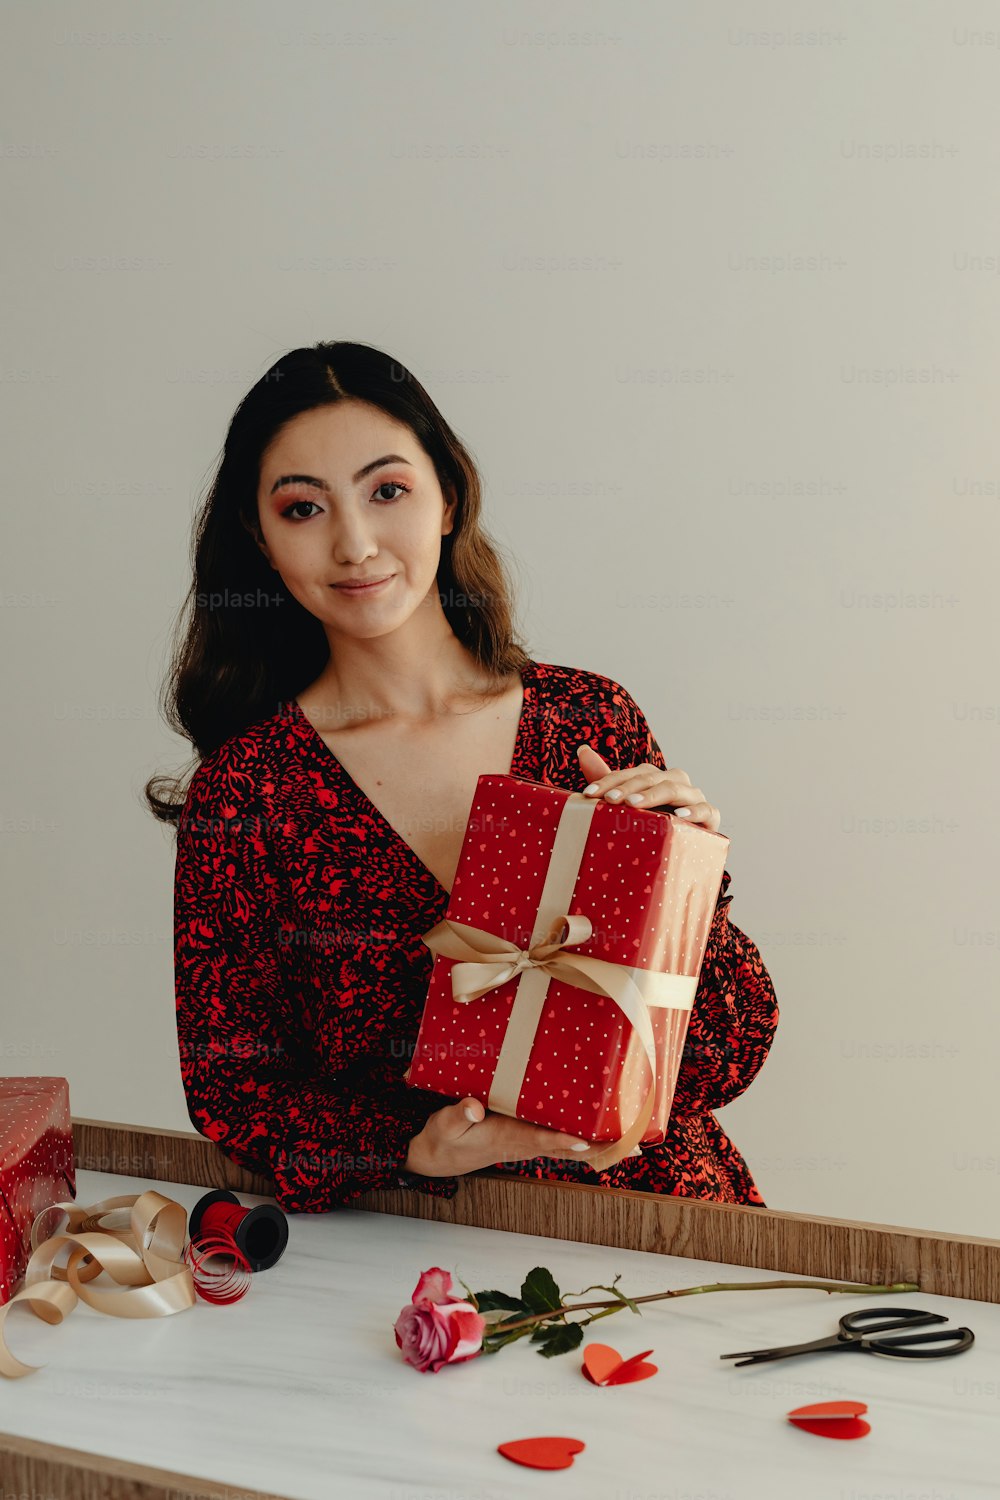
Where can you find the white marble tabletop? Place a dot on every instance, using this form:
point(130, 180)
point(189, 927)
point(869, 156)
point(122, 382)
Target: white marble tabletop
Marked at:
point(299, 1388)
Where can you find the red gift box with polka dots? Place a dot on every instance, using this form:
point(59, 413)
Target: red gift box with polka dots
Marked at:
point(36, 1166)
point(647, 882)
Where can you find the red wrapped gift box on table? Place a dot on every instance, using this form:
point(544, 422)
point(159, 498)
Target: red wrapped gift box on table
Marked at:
point(567, 962)
point(36, 1166)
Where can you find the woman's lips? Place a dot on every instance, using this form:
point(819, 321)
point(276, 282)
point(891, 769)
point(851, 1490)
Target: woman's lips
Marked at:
point(364, 588)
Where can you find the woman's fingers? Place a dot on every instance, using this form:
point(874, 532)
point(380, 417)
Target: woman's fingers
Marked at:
point(508, 1139)
point(455, 1144)
point(537, 1140)
point(552, 1142)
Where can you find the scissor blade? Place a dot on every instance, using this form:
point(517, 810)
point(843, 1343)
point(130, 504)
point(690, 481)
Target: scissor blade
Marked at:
point(757, 1359)
point(761, 1356)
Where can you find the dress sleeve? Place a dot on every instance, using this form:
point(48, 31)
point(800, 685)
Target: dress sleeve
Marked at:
point(251, 1081)
point(735, 1012)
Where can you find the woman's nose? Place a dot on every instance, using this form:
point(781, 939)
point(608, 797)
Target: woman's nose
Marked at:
point(353, 545)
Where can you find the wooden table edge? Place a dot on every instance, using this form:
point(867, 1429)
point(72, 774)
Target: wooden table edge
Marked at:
point(33, 1468)
point(947, 1265)
point(790, 1243)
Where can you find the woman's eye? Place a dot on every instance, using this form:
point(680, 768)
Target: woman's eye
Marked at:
point(391, 484)
point(387, 484)
point(294, 506)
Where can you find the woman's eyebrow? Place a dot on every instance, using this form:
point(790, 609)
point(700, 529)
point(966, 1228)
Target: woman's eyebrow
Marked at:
point(321, 484)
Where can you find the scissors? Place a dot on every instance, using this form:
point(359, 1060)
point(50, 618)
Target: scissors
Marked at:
point(856, 1329)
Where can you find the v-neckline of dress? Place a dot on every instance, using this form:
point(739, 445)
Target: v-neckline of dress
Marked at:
point(320, 746)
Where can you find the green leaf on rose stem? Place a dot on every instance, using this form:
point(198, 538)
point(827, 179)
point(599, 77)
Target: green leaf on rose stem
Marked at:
point(492, 1342)
point(469, 1291)
point(627, 1301)
point(542, 1330)
point(494, 1316)
point(486, 1301)
point(540, 1292)
point(559, 1338)
point(506, 1320)
point(599, 1287)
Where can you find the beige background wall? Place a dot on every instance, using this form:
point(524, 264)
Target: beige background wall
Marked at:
point(711, 292)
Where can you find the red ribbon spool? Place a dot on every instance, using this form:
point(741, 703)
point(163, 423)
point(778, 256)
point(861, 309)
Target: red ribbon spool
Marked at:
point(260, 1233)
point(254, 1237)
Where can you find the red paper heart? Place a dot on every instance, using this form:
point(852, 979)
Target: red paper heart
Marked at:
point(542, 1452)
point(833, 1419)
point(603, 1365)
point(847, 1427)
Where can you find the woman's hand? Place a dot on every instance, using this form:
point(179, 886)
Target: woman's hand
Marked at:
point(465, 1137)
point(647, 786)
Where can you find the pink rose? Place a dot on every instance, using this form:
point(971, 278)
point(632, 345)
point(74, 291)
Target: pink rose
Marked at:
point(436, 1328)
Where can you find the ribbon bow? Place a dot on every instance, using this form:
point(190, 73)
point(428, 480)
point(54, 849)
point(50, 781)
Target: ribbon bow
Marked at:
point(474, 978)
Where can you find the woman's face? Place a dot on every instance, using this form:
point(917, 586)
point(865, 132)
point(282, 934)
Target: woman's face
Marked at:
point(332, 522)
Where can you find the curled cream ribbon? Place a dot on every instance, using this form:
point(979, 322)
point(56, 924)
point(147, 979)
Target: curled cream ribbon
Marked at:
point(160, 1280)
point(489, 960)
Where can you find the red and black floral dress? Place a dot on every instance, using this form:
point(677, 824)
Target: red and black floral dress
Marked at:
point(300, 974)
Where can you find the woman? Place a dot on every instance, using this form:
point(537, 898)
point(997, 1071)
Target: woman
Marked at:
point(348, 671)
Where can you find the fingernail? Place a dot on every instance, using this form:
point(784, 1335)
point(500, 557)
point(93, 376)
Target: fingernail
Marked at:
point(579, 1146)
point(589, 791)
point(682, 812)
point(470, 1115)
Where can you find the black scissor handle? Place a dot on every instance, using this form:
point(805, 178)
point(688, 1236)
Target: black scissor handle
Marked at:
point(858, 1327)
point(960, 1338)
point(859, 1321)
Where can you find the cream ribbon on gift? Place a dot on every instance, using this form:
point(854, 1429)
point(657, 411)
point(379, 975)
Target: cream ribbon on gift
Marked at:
point(489, 960)
point(160, 1280)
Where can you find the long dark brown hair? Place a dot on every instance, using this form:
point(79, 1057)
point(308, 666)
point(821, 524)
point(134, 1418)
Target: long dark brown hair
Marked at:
point(243, 644)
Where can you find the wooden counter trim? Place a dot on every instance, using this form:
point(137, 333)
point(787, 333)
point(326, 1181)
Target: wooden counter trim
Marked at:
point(787, 1243)
point(45, 1470)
